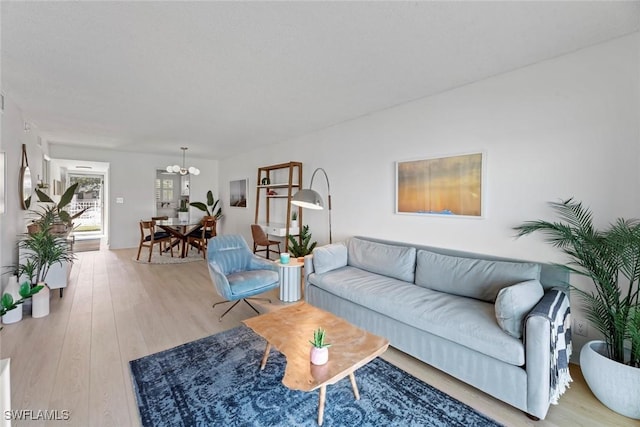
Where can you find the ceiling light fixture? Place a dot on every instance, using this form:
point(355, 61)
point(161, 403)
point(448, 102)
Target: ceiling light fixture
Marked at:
point(183, 170)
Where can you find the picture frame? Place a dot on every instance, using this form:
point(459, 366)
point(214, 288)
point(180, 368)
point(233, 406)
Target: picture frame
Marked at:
point(448, 186)
point(57, 187)
point(3, 182)
point(238, 190)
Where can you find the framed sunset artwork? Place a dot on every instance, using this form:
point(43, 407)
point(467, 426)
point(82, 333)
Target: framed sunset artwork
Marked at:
point(448, 186)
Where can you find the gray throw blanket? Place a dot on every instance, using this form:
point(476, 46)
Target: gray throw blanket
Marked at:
point(554, 306)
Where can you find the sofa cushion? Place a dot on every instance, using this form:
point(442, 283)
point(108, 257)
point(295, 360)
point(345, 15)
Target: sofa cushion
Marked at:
point(475, 278)
point(329, 257)
point(398, 262)
point(466, 321)
point(514, 303)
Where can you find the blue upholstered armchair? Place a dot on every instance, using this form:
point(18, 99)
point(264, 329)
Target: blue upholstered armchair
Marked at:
point(237, 273)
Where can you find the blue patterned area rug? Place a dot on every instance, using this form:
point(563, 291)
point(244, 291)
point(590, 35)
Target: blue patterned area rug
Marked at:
point(216, 381)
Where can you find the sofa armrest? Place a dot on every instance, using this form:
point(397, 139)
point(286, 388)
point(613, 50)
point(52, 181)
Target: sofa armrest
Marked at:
point(329, 257)
point(308, 266)
point(537, 341)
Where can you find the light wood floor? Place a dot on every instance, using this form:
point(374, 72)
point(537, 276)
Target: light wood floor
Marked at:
point(116, 310)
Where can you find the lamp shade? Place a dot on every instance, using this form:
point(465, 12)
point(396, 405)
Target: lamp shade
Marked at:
point(308, 198)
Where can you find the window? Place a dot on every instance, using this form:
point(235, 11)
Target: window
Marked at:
point(164, 190)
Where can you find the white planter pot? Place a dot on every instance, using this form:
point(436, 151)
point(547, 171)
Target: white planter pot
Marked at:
point(183, 216)
point(615, 384)
point(13, 288)
point(40, 303)
point(294, 223)
point(319, 356)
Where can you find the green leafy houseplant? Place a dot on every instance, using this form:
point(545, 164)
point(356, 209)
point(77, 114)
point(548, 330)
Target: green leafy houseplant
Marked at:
point(183, 206)
point(210, 207)
point(55, 211)
point(297, 249)
point(43, 249)
point(7, 302)
point(611, 259)
point(294, 216)
point(318, 339)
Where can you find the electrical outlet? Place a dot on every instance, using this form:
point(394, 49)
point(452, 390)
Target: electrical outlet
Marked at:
point(580, 327)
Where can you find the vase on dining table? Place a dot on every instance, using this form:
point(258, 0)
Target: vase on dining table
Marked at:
point(183, 216)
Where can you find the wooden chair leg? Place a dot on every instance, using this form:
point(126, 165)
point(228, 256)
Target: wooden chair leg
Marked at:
point(139, 249)
point(150, 252)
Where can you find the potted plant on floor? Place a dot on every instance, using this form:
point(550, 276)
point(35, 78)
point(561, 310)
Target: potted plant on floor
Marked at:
point(210, 206)
point(304, 247)
point(43, 249)
point(319, 354)
point(611, 259)
point(9, 302)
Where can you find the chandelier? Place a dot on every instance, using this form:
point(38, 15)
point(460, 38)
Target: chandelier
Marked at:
point(183, 170)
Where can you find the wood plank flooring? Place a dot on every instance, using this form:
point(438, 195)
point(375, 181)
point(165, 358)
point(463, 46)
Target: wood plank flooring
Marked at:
point(116, 310)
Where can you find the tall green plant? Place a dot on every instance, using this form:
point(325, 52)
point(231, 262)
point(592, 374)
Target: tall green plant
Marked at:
point(297, 249)
point(43, 249)
point(611, 259)
point(210, 207)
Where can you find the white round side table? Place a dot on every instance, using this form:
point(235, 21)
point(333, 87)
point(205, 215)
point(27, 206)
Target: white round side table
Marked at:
point(290, 280)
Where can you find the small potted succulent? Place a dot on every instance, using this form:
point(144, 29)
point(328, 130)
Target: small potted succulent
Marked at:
point(319, 350)
point(294, 219)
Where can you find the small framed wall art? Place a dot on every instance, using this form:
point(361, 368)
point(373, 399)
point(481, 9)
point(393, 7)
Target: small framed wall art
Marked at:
point(448, 186)
point(238, 193)
point(3, 182)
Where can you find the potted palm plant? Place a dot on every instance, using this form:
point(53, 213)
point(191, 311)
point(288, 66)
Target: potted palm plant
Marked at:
point(42, 249)
point(304, 247)
point(610, 258)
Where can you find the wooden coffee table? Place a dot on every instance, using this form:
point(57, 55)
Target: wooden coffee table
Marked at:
point(289, 330)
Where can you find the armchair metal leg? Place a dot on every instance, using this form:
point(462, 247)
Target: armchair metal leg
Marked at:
point(256, 299)
point(228, 310)
point(236, 303)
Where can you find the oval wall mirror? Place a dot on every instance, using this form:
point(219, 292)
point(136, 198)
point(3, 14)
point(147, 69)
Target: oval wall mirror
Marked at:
point(26, 186)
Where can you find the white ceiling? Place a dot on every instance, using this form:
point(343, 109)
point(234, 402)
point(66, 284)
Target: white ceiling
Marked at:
point(224, 77)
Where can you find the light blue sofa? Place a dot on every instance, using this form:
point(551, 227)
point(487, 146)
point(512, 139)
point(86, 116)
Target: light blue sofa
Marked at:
point(462, 313)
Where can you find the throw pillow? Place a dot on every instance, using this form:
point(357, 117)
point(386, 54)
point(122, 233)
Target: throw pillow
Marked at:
point(394, 261)
point(329, 257)
point(468, 277)
point(514, 303)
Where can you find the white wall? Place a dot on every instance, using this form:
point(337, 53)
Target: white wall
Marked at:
point(132, 177)
point(13, 221)
point(561, 128)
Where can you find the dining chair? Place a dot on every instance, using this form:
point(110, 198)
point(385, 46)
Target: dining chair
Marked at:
point(160, 230)
point(237, 274)
point(200, 237)
point(149, 237)
point(260, 239)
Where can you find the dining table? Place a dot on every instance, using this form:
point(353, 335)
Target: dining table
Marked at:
point(180, 230)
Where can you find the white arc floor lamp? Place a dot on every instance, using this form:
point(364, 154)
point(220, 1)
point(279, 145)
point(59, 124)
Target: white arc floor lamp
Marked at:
point(310, 199)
